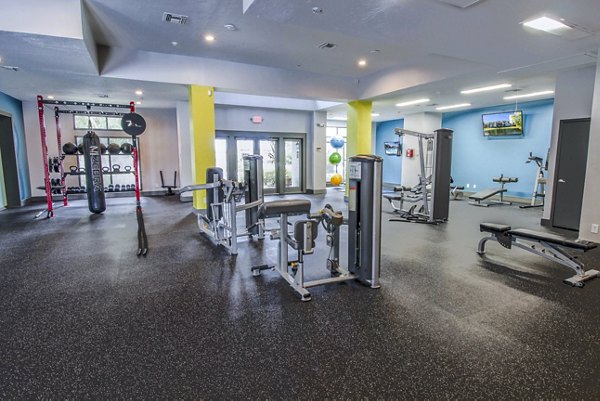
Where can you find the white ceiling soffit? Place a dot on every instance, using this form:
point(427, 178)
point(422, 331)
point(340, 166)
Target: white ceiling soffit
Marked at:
point(225, 75)
point(61, 18)
point(461, 3)
point(270, 102)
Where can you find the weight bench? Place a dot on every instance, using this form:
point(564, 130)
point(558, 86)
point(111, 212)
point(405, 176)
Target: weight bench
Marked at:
point(488, 193)
point(550, 246)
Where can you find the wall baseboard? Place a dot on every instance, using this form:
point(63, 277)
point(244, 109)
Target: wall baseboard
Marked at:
point(316, 191)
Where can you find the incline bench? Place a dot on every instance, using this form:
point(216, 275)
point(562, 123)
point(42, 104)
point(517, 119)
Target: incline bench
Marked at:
point(546, 245)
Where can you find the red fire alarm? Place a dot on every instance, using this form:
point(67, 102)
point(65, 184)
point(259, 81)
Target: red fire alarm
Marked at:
point(256, 119)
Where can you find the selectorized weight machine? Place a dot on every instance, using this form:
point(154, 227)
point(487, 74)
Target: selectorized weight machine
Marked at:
point(364, 231)
point(432, 193)
point(223, 196)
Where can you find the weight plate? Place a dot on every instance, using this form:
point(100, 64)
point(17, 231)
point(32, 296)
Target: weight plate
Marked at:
point(133, 124)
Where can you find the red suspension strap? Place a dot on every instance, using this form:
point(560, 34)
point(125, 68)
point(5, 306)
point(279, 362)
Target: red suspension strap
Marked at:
point(49, 210)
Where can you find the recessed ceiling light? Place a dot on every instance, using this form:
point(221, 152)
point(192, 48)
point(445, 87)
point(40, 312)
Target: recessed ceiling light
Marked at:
point(50, 97)
point(412, 102)
point(362, 62)
point(175, 43)
point(485, 89)
point(230, 27)
point(546, 24)
point(526, 95)
point(454, 106)
point(139, 92)
point(138, 102)
point(374, 114)
point(209, 38)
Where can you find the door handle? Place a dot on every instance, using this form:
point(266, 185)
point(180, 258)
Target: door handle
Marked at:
point(561, 180)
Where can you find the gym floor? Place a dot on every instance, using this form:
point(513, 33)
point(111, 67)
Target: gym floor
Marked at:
point(82, 317)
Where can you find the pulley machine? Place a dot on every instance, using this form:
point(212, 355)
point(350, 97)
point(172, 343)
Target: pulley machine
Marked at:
point(223, 196)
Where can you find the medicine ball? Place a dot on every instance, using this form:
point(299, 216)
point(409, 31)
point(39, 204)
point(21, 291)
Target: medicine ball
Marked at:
point(102, 148)
point(80, 147)
point(127, 148)
point(114, 149)
point(69, 148)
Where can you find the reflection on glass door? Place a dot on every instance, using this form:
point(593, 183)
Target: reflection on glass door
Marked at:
point(268, 150)
point(293, 165)
point(244, 147)
point(221, 155)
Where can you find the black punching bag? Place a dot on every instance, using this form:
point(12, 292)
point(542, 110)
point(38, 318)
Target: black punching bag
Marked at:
point(93, 173)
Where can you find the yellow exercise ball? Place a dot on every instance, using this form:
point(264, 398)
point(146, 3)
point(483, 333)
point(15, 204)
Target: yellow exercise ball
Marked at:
point(336, 179)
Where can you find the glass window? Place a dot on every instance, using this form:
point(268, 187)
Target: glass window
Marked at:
point(114, 123)
point(244, 147)
point(101, 123)
point(221, 155)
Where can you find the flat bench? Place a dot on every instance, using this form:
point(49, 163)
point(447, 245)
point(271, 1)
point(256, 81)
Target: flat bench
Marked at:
point(549, 246)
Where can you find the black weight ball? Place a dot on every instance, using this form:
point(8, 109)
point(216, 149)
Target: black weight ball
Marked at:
point(69, 148)
point(114, 149)
point(80, 147)
point(102, 148)
point(127, 148)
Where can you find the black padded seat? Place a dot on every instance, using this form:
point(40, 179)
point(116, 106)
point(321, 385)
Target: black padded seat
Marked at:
point(393, 196)
point(505, 179)
point(459, 188)
point(493, 228)
point(552, 239)
point(284, 206)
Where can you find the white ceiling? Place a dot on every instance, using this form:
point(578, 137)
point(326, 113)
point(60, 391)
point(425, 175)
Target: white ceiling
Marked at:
point(425, 49)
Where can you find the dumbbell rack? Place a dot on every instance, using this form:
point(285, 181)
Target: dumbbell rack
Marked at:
point(80, 173)
point(49, 211)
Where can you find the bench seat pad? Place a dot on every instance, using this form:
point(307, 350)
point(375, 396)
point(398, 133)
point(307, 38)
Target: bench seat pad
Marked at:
point(493, 228)
point(284, 206)
point(552, 239)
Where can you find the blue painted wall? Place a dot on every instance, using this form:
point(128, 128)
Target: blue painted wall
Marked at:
point(476, 159)
point(392, 165)
point(14, 107)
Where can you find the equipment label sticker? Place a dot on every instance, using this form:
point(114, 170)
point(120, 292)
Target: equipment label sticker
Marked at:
point(354, 170)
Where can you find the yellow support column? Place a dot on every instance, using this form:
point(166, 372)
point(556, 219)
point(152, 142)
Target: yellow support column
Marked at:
point(202, 115)
point(358, 134)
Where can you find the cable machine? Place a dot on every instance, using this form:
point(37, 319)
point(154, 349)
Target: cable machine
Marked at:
point(55, 165)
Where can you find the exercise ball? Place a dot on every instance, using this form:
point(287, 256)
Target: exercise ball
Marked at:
point(337, 142)
point(335, 158)
point(114, 149)
point(336, 179)
point(80, 147)
point(127, 148)
point(102, 148)
point(69, 148)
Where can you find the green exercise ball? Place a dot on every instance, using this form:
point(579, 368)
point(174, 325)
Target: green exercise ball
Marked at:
point(335, 158)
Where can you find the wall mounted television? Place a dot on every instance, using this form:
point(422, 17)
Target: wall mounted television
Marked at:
point(503, 124)
point(393, 148)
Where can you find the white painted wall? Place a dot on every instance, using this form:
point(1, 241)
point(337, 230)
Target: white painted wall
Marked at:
point(234, 118)
point(184, 144)
point(421, 122)
point(573, 99)
point(158, 145)
point(590, 212)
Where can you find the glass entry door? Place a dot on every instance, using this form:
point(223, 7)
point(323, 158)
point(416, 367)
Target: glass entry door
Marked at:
point(293, 165)
point(283, 159)
point(268, 150)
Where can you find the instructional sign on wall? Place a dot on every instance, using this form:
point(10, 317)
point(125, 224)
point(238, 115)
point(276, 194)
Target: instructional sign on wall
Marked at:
point(354, 170)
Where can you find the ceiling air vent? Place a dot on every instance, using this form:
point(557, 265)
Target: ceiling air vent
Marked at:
point(175, 18)
point(461, 3)
point(327, 45)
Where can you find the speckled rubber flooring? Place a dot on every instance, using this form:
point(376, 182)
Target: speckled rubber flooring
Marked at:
point(82, 317)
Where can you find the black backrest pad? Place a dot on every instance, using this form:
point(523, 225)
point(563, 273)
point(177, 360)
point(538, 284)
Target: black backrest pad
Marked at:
point(299, 232)
point(493, 228)
point(285, 206)
point(552, 239)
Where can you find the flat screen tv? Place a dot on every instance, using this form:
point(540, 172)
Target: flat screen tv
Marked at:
point(503, 124)
point(393, 148)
